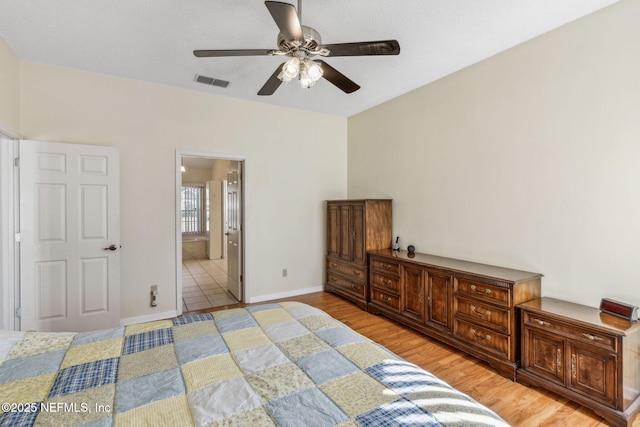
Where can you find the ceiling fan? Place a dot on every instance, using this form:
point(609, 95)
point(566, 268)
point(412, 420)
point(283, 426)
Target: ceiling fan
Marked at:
point(301, 43)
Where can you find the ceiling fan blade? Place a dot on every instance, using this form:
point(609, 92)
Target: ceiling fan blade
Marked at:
point(338, 79)
point(231, 52)
point(272, 84)
point(382, 47)
point(287, 19)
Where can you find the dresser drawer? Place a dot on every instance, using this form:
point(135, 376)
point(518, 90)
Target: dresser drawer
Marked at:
point(353, 272)
point(477, 311)
point(385, 283)
point(484, 292)
point(390, 268)
point(386, 299)
point(344, 284)
point(484, 337)
point(579, 332)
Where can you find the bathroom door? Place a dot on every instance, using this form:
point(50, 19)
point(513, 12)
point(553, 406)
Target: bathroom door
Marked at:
point(69, 236)
point(234, 231)
point(216, 220)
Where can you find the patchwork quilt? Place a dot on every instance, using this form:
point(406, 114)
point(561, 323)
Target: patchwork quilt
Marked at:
point(285, 364)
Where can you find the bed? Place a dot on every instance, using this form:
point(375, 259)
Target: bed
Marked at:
point(286, 364)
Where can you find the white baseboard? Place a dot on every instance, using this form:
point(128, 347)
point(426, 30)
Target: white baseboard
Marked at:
point(280, 295)
point(148, 318)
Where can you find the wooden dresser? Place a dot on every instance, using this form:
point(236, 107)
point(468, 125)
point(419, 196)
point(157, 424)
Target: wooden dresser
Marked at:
point(587, 356)
point(353, 228)
point(468, 305)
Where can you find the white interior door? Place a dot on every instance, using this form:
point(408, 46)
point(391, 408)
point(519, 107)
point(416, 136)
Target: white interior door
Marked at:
point(234, 232)
point(70, 236)
point(216, 217)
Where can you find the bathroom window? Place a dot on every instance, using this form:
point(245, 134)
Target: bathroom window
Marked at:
point(192, 209)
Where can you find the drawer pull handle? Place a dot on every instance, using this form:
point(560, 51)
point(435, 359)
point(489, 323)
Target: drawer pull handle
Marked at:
point(478, 291)
point(384, 298)
point(486, 313)
point(541, 322)
point(480, 337)
point(333, 279)
point(355, 288)
point(356, 273)
point(334, 265)
point(386, 266)
point(592, 337)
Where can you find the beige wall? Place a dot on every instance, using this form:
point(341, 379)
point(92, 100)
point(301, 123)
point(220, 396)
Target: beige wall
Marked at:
point(219, 170)
point(9, 90)
point(530, 159)
point(286, 178)
point(196, 176)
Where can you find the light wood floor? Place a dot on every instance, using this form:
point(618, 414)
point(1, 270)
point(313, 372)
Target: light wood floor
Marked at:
point(519, 405)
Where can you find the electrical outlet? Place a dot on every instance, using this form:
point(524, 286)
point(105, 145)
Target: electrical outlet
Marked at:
point(284, 272)
point(154, 295)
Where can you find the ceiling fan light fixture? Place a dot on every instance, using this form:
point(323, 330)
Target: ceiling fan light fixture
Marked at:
point(313, 69)
point(310, 73)
point(306, 70)
point(290, 70)
point(305, 80)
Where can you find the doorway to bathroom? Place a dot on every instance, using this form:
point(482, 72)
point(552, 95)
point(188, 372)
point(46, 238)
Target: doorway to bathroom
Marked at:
point(209, 242)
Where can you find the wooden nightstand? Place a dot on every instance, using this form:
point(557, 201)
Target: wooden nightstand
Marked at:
point(582, 354)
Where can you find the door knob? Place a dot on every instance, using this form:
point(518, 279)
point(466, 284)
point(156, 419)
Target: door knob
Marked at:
point(111, 248)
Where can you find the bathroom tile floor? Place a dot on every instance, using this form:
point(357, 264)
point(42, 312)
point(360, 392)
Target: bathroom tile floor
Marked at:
point(204, 284)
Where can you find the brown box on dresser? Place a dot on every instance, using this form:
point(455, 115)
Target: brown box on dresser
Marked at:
point(468, 305)
point(590, 357)
point(353, 228)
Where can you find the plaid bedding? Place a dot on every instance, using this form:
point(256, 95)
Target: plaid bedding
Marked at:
point(285, 364)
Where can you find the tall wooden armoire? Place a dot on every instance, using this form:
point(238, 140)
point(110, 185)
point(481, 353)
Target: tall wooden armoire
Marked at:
point(353, 228)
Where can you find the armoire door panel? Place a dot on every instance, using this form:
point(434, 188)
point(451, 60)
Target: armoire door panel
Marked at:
point(357, 232)
point(345, 233)
point(333, 230)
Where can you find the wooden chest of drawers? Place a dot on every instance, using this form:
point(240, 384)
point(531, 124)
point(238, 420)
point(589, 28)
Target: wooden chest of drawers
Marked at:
point(584, 355)
point(468, 305)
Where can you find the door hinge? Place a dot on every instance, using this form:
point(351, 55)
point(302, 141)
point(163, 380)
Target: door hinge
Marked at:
point(16, 162)
point(19, 312)
point(18, 237)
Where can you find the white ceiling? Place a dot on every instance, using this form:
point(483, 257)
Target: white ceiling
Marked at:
point(153, 41)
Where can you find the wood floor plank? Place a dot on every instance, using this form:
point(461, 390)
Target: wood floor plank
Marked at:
point(519, 405)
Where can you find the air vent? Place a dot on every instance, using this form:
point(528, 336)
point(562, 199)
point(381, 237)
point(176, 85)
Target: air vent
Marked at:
point(211, 81)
